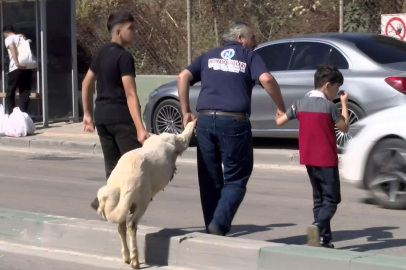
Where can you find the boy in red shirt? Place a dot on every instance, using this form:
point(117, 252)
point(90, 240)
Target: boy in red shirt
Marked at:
point(317, 116)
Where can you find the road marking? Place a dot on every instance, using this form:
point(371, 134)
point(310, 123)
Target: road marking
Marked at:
point(53, 180)
point(257, 166)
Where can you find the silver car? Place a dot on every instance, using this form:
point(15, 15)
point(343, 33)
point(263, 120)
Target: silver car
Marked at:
point(374, 69)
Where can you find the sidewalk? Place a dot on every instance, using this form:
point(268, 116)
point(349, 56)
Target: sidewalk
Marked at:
point(180, 248)
point(65, 137)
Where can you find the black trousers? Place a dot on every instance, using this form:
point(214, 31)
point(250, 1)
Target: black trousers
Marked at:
point(116, 140)
point(21, 80)
point(326, 196)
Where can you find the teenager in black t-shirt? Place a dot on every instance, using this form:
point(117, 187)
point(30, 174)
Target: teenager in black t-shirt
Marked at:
point(117, 113)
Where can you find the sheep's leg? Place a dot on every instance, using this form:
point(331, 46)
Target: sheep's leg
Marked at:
point(122, 230)
point(140, 208)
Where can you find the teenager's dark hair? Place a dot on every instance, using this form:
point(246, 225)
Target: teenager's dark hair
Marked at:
point(119, 17)
point(8, 29)
point(325, 74)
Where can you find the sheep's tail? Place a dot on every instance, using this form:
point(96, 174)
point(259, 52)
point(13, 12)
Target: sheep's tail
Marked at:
point(110, 206)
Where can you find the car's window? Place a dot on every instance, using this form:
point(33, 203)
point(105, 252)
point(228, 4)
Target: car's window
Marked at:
point(308, 55)
point(383, 50)
point(276, 56)
point(337, 59)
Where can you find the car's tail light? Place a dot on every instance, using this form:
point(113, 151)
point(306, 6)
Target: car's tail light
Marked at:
point(399, 83)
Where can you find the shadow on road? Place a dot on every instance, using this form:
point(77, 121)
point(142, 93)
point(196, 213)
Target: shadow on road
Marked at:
point(157, 245)
point(276, 143)
point(382, 238)
point(269, 143)
point(240, 230)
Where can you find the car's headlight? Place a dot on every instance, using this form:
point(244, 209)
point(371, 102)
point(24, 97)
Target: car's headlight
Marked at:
point(355, 129)
point(152, 94)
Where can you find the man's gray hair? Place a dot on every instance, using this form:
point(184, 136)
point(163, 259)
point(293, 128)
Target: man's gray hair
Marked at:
point(236, 29)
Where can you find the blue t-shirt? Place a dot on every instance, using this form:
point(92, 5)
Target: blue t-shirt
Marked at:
point(228, 75)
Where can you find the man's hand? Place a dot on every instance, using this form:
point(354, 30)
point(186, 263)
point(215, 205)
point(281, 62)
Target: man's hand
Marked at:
point(88, 124)
point(19, 66)
point(188, 117)
point(142, 136)
point(344, 97)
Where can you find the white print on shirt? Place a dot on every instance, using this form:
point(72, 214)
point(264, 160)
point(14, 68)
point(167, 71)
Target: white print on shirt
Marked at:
point(227, 65)
point(227, 54)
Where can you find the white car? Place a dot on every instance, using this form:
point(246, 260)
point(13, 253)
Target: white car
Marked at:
point(375, 159)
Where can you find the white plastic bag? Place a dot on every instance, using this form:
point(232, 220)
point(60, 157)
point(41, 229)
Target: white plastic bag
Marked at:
point(19, 124)
point(30, 124)
point(3, 120)
point(25, 56)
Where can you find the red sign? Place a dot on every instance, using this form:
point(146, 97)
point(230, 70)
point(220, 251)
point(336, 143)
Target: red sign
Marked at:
point(396, 27)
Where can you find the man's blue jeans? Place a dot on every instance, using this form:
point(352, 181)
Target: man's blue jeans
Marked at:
point(223, 140)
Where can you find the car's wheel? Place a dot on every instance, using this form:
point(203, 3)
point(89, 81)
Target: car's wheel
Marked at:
point(168, 117)
point(385, 174)
point(355, 114)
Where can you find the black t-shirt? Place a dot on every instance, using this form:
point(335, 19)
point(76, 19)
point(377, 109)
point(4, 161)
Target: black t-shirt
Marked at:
point(110, 65)
point(228, 75)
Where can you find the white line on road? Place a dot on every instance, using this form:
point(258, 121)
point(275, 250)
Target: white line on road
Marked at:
point(257, 166)
point(53, 180)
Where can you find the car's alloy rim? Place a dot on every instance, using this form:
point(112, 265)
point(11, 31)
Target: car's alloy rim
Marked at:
point(343, 138)
point(389, 182)
point(169, 120)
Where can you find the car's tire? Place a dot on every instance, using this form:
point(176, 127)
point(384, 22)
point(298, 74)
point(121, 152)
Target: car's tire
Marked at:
point(172, 106)
point(385, 173)
point(355, 114)
point(167, 117)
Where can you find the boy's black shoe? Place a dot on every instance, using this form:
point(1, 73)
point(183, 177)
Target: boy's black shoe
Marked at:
point(95, 204)
point(326, 244)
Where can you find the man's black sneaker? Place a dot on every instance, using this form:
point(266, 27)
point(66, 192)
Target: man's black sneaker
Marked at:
point(215, 230)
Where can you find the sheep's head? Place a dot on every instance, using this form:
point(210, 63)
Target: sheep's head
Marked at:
point(183, 140)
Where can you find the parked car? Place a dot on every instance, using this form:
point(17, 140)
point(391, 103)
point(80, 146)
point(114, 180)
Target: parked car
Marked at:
point(375, 159)
point(374, 67)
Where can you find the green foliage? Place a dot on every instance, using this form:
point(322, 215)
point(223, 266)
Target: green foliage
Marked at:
point(362, 16)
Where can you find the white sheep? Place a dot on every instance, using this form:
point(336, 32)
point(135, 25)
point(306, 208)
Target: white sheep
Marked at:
point(139, 175)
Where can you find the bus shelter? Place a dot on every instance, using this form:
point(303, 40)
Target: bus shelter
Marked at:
point(51, 26)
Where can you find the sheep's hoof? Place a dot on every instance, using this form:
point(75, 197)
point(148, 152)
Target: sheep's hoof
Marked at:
point(135, 264)
point(126, 256)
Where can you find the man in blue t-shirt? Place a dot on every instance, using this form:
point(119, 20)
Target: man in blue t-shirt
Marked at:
point(228, 75)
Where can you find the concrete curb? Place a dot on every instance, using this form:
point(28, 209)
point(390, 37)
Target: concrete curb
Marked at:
point(272, 157)
point(52, 145)
point(179, 248)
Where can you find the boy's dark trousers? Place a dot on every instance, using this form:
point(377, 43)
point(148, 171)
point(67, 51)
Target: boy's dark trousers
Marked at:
point(116, 140)
point(18, 79)
point(326, 196)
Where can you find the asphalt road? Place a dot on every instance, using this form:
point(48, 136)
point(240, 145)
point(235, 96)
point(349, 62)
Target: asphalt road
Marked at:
point(277, 207)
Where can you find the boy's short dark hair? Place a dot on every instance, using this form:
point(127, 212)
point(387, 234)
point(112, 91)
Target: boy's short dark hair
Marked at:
point(118, 18)
point(8, 29)
point(327, 73)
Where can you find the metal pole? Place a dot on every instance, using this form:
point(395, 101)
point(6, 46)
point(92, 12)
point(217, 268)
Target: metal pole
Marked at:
point(44, 64)
point(341, 16)
point(75, 96)
point(189, 33)
point(3, 73)
point(37, 26)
